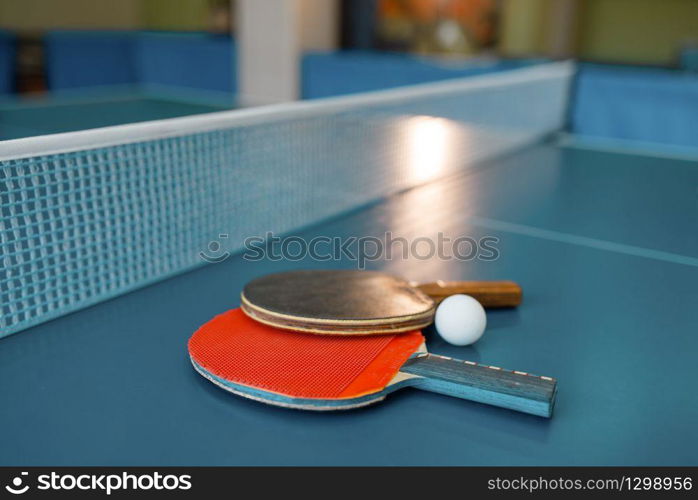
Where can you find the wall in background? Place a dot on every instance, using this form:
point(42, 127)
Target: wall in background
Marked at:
point(319, 18)
point(186, 15)
point(636, 31)
point(35, 15)
point(319, 24)
point(625, 31)
point(522, 30)
point(622, 31)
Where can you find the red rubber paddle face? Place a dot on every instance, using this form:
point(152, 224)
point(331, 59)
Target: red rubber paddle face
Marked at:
point(236, 349)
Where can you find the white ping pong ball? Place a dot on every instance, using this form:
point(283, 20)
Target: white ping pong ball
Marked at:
point(460, 320)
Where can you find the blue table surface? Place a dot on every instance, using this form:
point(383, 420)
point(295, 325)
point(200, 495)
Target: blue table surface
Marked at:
point(604, 245)
point(52, 115)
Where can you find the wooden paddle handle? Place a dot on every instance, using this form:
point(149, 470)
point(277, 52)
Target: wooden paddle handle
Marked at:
point(488, 293)
point(491, 385)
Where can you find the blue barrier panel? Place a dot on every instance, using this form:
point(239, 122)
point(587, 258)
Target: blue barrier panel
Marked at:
point(192, 60)
point(689, 58)
point(208, 62)
point(93, 58)
point(335, 73)
point(648, 105)
point(90, 58)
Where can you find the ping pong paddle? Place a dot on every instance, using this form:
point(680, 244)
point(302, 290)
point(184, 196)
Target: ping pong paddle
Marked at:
point(351, 302)
point(321, 372)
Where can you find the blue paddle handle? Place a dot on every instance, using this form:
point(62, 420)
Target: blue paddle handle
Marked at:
point(514, 390)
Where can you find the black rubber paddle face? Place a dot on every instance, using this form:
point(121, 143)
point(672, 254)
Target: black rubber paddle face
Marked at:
point(337, 302)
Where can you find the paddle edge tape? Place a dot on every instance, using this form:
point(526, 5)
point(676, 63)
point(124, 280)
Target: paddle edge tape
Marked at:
point(290, 402)
point(337, 326)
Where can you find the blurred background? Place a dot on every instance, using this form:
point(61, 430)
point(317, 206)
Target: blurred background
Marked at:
point(75, 64)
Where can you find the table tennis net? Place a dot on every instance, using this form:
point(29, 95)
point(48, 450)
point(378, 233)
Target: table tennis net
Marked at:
point(89, 215)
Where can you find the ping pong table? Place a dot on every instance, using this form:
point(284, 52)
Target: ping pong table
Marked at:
point(69, 111)
point(603, 242)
